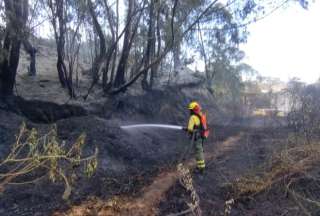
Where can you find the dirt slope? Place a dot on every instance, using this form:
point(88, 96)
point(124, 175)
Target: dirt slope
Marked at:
point(150, 196)
point(228, 159)
point(137, 171)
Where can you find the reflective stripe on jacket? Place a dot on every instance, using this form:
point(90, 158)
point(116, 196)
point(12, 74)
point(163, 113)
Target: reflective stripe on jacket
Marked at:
point(194, 123)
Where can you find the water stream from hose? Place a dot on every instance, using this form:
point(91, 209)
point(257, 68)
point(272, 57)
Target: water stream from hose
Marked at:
point(173, 127)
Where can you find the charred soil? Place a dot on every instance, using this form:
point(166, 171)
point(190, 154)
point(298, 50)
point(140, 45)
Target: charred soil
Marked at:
point(137, 171)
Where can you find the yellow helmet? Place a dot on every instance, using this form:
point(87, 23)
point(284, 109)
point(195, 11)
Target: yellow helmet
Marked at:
point(194, 106)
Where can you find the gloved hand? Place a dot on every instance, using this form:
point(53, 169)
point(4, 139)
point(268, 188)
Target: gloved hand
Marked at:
point(185, 129)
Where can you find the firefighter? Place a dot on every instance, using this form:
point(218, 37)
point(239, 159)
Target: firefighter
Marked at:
point(198, 131)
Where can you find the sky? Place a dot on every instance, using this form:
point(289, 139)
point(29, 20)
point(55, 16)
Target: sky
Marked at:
point(286, 44)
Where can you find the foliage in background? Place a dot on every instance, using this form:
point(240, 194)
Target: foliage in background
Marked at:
point(129, 41)
point(293, 168)
point(304, 117)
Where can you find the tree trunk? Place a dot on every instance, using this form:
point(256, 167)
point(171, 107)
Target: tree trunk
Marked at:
point(155, 68)
point(176, 59)
point(116, 48)
point(112, 51)
point(102, 41)
point(120, 74)
point(9, 66)
point(32, 53)
point(15, 25)
point(150, 51)
point(59, 16)
point(31, 50)
point(60, 41)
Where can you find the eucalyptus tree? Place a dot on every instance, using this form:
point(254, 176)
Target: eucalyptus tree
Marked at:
point(66, 17)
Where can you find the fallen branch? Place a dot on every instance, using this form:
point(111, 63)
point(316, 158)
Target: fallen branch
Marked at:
point(186, 182)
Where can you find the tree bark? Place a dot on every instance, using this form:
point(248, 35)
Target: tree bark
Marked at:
point(150, 51)
point(112, 52)
point(116, 49)
point(9, 65)
point(31, 50)
point(176, 58)
point(102, 42)
point(15, 25)
point(120, 74)
point(59, 27)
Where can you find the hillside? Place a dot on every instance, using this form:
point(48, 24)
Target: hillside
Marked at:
point(115, 122)
point(137, 172)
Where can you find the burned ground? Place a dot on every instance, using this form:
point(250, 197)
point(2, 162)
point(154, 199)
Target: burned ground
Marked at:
point(127, 159)
point(138, 168)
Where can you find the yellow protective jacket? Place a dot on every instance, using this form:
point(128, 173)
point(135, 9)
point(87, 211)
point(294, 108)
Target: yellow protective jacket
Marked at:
point(194, 123)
